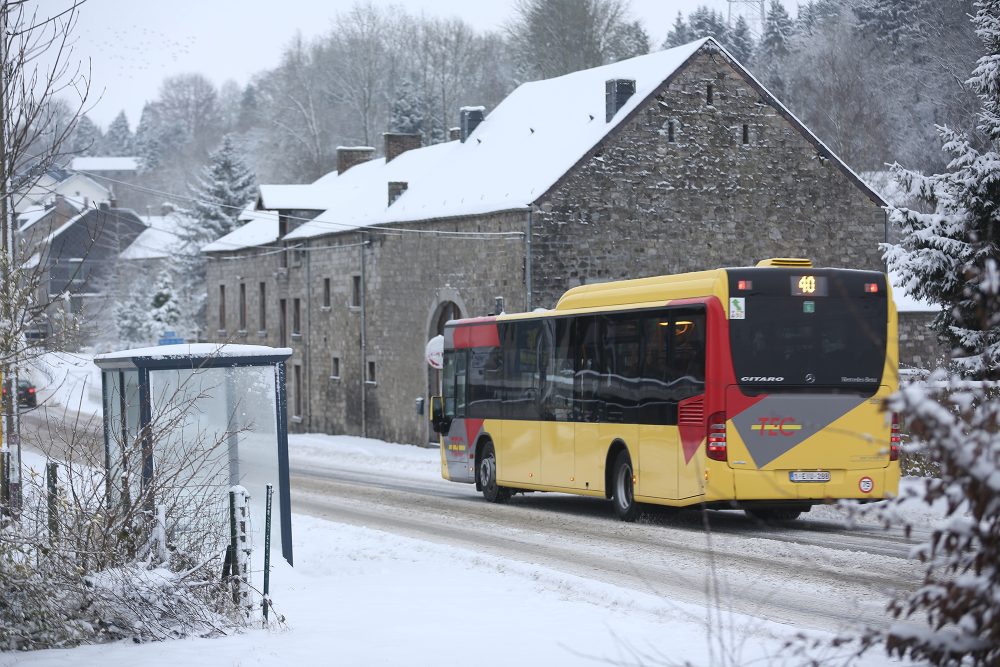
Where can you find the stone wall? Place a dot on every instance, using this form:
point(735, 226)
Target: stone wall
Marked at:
point(408, 278)
point(676, 188)
point(918, 343)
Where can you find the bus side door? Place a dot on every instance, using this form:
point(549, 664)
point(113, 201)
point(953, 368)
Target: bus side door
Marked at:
point(519, 455)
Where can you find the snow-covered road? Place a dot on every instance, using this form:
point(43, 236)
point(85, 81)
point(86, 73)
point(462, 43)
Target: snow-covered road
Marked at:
point(813, 574)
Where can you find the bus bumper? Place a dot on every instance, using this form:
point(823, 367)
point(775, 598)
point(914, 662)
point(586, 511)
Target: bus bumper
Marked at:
point(860, 484)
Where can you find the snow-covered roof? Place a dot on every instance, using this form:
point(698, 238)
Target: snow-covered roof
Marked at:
point(194, 350)
point(299, 196)
point(161, 239)
point(259, 228)
point(513, 157)
point(105, 164)
point(30, 217)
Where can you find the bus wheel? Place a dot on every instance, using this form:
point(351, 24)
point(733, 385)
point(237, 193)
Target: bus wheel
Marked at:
point(623, 491)
point(774, 514)
point(492, 491)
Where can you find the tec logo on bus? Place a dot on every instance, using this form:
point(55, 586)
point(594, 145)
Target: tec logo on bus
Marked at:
point(775, 426)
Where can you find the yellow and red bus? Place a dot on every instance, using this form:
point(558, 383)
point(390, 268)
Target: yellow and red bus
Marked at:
point(756, 388)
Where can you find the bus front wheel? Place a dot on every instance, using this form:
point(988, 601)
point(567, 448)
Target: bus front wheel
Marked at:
point(623, 491)
point(492, 491)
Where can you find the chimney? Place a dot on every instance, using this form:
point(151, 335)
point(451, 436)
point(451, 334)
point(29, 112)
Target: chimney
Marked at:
point(471, 117)
point(396, 188)
point(454, 133)
point(104, 206)
point(616, 94)
point(348, 156)
point(166, 208)
point(397, 143)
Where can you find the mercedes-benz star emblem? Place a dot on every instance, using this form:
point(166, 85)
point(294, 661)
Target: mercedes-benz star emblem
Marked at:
point(810, 378)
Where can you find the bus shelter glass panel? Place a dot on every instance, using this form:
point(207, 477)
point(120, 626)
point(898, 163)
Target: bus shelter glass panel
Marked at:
point(123, 458)
point(219, 429)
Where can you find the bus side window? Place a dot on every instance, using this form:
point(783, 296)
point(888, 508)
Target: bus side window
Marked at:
point(485, 382)
point(587, 405)
point(454, 383)
point(687, 355)
point(655, 399)
point(557, 401)
point(522, 375)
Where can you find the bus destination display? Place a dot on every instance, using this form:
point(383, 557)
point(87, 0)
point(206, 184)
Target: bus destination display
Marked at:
point(808, 285)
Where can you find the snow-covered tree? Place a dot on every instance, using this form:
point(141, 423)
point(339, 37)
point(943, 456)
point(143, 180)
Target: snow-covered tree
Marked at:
point(225, 187)
point(679, 33)
point(553, 37)
point(705, 22)
point(951, 254)
point(778, 31)
point(131, 314)
point(407, 111)
point(118, 140)
point(165, 310)
point(87, 138)
point(740, 40)
point(147, 137)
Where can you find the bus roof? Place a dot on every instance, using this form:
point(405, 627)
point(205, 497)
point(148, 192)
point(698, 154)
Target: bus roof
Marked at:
point(642, 290)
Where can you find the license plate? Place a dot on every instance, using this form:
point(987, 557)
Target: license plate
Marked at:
point(809, 476)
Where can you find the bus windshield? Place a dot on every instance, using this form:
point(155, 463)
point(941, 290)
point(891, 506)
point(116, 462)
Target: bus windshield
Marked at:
point(833, 341)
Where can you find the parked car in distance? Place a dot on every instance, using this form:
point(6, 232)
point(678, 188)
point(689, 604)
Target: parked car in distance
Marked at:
point(27, 396)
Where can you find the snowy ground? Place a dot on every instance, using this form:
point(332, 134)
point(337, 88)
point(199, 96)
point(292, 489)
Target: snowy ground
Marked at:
point(359, 596)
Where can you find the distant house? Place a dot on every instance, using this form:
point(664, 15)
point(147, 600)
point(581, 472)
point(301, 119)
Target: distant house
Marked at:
point(76, 257)
point(675, 161)
point(117, 174)
point(78, 189)
point(161, 241)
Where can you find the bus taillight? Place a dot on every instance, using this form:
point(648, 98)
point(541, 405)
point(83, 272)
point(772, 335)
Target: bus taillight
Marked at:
point(716, 447)
point(894, 438)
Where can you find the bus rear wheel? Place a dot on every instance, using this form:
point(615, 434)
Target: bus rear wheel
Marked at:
point(492, 491)
point(774, 514)
point(623, 489)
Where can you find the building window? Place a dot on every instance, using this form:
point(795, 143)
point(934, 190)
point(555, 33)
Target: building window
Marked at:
point(243, 307)
point(296, 317)
point(335, 368)
point(356, 291)
point(670, 131)
point(371, 373)
point(222, 307)
point(298, 391)
point(283, 322)
point(709, 95)
point(746, 133)
point(263, 307)
point(283, 262)
point(326, 292)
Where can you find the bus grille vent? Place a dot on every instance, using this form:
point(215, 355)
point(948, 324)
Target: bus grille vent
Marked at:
point(692, 413)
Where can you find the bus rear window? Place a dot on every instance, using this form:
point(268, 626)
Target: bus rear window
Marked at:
point(834, 340)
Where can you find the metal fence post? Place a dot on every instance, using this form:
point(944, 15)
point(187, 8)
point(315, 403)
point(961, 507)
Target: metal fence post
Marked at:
point(51, 472)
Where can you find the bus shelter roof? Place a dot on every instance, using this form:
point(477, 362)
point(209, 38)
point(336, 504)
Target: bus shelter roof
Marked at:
point(193, 355)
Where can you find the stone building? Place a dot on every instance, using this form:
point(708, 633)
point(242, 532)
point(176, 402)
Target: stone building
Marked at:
point(675, 161)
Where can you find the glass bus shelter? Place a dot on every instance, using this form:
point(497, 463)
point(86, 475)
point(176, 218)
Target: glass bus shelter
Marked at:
point(184, 423)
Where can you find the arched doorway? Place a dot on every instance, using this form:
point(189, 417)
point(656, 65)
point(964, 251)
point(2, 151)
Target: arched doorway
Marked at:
point(446, 310)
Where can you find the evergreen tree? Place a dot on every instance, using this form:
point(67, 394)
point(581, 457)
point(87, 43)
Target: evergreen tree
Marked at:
point(118, 139)
point(407, 111)
point(951, 255)
point(166, 311)
point(148, 137)
point(705, 22)
point(897, 21)
point(224, 189)
point(778, 31)
point(740, 41)
point(679, 33)
point(628, 39)
point(87, 138)
point(131, 314)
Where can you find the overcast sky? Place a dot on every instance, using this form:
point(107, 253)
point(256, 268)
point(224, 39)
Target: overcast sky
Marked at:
point(134, 44)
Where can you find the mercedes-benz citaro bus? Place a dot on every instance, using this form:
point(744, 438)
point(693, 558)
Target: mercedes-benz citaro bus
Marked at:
point(757, 388)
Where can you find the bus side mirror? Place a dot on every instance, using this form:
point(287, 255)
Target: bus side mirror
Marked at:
point(439, 422)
